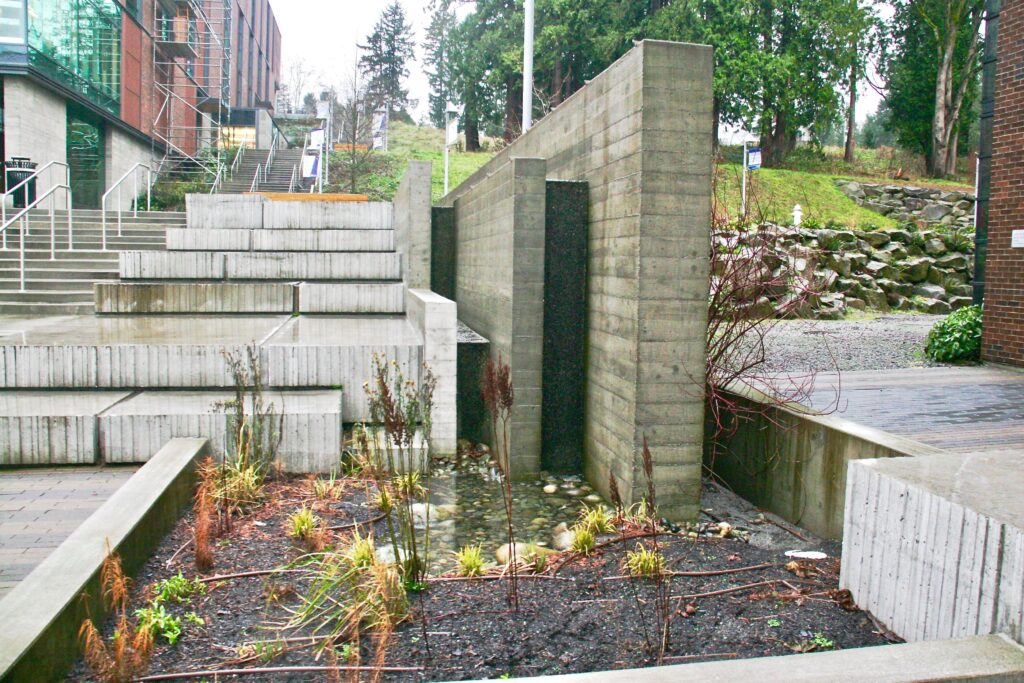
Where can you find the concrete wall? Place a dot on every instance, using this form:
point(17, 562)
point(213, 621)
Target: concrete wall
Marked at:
point(123, 152)
point(640, 135)
point(794, 463)
point(35, 125)
point(499, 286)
point(436, 317)
point(412, 223)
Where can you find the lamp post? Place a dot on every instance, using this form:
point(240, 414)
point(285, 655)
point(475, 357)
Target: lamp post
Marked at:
point(451, 136)
point(528, 68)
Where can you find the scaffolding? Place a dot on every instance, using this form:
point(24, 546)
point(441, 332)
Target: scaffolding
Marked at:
point(192, 79)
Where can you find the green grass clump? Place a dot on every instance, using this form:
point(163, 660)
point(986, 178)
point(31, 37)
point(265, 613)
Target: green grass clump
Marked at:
point(598, 520)
point(178, 589)
point(583, 540)
point(159, 622)
point(470, 561)
point(302, 526)
point(645, 563)
point(957, 337)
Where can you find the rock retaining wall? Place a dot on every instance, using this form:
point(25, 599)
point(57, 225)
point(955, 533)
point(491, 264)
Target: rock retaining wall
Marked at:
point(906, 203)
point(888, 269)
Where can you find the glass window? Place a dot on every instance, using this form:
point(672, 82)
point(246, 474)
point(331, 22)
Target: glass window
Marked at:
point(78, 43)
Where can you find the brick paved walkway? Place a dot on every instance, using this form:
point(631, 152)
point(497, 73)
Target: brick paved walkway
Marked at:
point(958, 409)
point(39, 508)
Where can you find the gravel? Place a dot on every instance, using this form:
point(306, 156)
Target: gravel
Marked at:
point(883, 343)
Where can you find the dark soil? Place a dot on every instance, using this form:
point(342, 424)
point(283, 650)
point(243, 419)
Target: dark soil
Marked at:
point(573, 619)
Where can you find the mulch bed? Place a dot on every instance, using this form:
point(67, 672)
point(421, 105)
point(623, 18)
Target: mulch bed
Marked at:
point(576, 618)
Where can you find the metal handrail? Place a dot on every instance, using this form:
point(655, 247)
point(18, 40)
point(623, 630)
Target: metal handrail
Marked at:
point(275, 140)
point(26, 181)
point(256, 180)
point(23, 217)
point(217, 181)
point(291, 183)
point(238, 160)
point(133, 172)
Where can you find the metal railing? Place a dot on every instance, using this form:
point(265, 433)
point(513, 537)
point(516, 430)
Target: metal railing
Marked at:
point(256, 179)
point(291, 183)
point(132, 173)
point(35, 176)
point(275, 140)
point(237, 162)
point(23, 217)
point(218, 180)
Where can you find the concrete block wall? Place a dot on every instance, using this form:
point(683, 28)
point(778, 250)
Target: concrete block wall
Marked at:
point(412, 223)
point(438, 319)
point(223, 211)
point(640, 135)
point(934, 547)
point(500, 285)
point(123, 152)
point(35, 125)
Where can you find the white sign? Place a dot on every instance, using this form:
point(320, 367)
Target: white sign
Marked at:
point(310, 166)
point(380, 129)
point(754, 158)
point(1017, 239)
point(316, 138)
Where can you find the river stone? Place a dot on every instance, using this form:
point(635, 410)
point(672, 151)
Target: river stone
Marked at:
point(562, 537)
point(593, 498)
point(523, 551)
point(573, 492)
point(551, 488)
point(916, 269)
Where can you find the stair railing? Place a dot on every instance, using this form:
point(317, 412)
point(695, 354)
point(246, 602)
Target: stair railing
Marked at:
point(291, 183)
point(132, 173)
point(237, 162)
point(22, 216)
point(35, 176)
point(256, 179)
point(274, 142)
point(218, 180)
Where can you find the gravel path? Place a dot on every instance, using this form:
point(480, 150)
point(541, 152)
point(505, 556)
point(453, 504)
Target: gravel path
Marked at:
point(882, 343)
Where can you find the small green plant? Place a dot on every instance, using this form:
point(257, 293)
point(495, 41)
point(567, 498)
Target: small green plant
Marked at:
point(159, 622)
point(362, 553)
point(775, 623)
point(536, 557)
point(956, 338)
point(470, 561)
point(409, 486)
point(829, 241)
point(599, 520)
point(327, 489)
point(178, 589)
point(303, 525)
point(822, 643)
point(645, 563)
point(583, 540)
point(195, 619)
point(961, 241)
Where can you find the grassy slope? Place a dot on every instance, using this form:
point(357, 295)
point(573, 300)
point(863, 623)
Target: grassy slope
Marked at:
point(427, 144)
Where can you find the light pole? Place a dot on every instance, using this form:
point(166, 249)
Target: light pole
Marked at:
point(451, 136)
point(528, 68)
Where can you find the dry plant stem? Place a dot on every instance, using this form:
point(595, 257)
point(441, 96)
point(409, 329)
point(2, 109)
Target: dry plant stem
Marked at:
point(277, 670)
point(498, 395)
point(719, 572)
point(495, 577)
point(726, 591)
point(619, 507)
point(353, 525)
point(245, 575)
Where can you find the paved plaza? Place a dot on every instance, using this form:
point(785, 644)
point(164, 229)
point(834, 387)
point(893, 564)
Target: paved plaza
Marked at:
point(39, 508)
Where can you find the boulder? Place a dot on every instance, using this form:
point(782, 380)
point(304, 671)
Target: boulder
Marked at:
point(916, 269)
point(930, 291)
point(825, 278)
point(963, 290)
point(914, 204)
point(934, 213)
point(878, 269)
point(900, 303)
point(871, 190)
point(878, 207)
point(892, 286)
point(857, 260)
point(875, 239)
point(898, 235)
point(935, 247)
point(856, 304)
point(894, 251)
point(875, 298)
point(958, 302)
point(838, 262)
point(953, 262)
point(965, 205)
point(933, 306)
point(854, 190)
point(524, 551)
point(912, 191)
point(846, 285)
point(952, 197)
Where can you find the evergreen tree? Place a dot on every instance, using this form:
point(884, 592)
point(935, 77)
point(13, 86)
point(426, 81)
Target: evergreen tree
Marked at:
point(438, 59)
point(385, 60)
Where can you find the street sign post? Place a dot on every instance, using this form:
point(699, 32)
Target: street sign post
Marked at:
point(751, 162)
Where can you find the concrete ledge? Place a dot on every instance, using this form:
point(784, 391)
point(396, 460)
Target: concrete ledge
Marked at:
point(184, 239)
point(312, 266)
point(209, 239)
point(934, 547)
point(437, 319)
point(413, 222)
point(989, 659)
point(319, 215)
point(221, 211)
point(352, 298)
point(794, 462)
point(309, 422)
point(171, 265)
point(42, 615)
point(51, 427)
point(194, 298)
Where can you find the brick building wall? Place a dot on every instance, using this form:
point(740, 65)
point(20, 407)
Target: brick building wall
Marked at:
point(1004, 265)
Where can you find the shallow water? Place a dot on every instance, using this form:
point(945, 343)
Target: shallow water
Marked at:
point(470, 510)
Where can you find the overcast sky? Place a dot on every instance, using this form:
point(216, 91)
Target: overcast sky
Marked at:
point(325, 33)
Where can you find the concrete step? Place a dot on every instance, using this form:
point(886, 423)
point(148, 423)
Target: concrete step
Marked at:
point(118, 427)
point(8, 283)
point(187, 352)
point(337, 266)
point(223, 298)
point(185, 239)
point(45, 296)
point(43, 309)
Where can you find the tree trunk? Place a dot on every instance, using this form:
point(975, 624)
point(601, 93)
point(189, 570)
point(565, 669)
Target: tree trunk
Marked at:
point(513, 110)
point(851, 119)
point(472, 133)
point(951, 156)
point(556, 84)
point(716, 118)
point(937, 160)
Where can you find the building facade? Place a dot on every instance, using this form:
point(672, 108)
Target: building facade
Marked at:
point(1001, 186)
point(104, 84)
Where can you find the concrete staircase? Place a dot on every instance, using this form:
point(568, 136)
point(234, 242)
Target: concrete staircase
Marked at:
point(64, 285)
point(314, 304)
point(278, 176)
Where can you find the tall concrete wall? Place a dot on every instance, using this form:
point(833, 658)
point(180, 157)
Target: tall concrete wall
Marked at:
point(412, 223)
point(35, 125)
point(640, 135)
point(123, 152)
point(499, 285)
